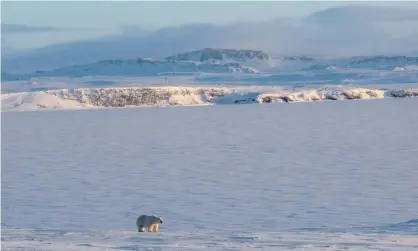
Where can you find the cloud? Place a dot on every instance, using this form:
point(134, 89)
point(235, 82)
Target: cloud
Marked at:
point(20, 28)
point(135, 29)
point(6, 49)
point(343, 31)
point(363, 13)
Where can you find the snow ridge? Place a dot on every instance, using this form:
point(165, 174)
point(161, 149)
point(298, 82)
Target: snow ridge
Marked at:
point(180, 96)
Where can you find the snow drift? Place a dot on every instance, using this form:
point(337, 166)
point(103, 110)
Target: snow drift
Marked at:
point(176, 96)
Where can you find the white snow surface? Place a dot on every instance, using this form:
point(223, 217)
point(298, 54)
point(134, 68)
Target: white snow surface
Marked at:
point(84, 98)
point(323, 176)
point(243, 241)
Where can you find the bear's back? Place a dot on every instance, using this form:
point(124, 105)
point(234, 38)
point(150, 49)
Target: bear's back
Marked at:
point(141, 220)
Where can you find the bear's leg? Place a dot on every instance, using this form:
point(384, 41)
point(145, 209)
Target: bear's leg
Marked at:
point(141, 228)
point(151, 228)
point(154, 228)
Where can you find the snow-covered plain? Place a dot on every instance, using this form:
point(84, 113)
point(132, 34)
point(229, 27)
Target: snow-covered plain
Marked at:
point(334, 175)
point(308, 176)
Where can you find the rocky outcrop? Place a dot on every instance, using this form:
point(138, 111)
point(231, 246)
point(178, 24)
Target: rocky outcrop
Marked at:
point(404, 93)
point(175, 96)
point(141, 96)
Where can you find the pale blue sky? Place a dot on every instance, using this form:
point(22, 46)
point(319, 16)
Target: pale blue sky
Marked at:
point(110, 14)
point(107, 16)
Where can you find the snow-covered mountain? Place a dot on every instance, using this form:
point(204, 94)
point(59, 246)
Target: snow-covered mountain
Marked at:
point(380, 62)
point(210, 54)
point(210, 61)
point(251, 58)
point(221, 61)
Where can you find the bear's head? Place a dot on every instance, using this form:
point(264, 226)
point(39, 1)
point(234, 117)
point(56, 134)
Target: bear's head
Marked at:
point(158, 219)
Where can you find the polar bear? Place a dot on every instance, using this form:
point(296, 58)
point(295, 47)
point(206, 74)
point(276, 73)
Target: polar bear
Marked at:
point(151, 222)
